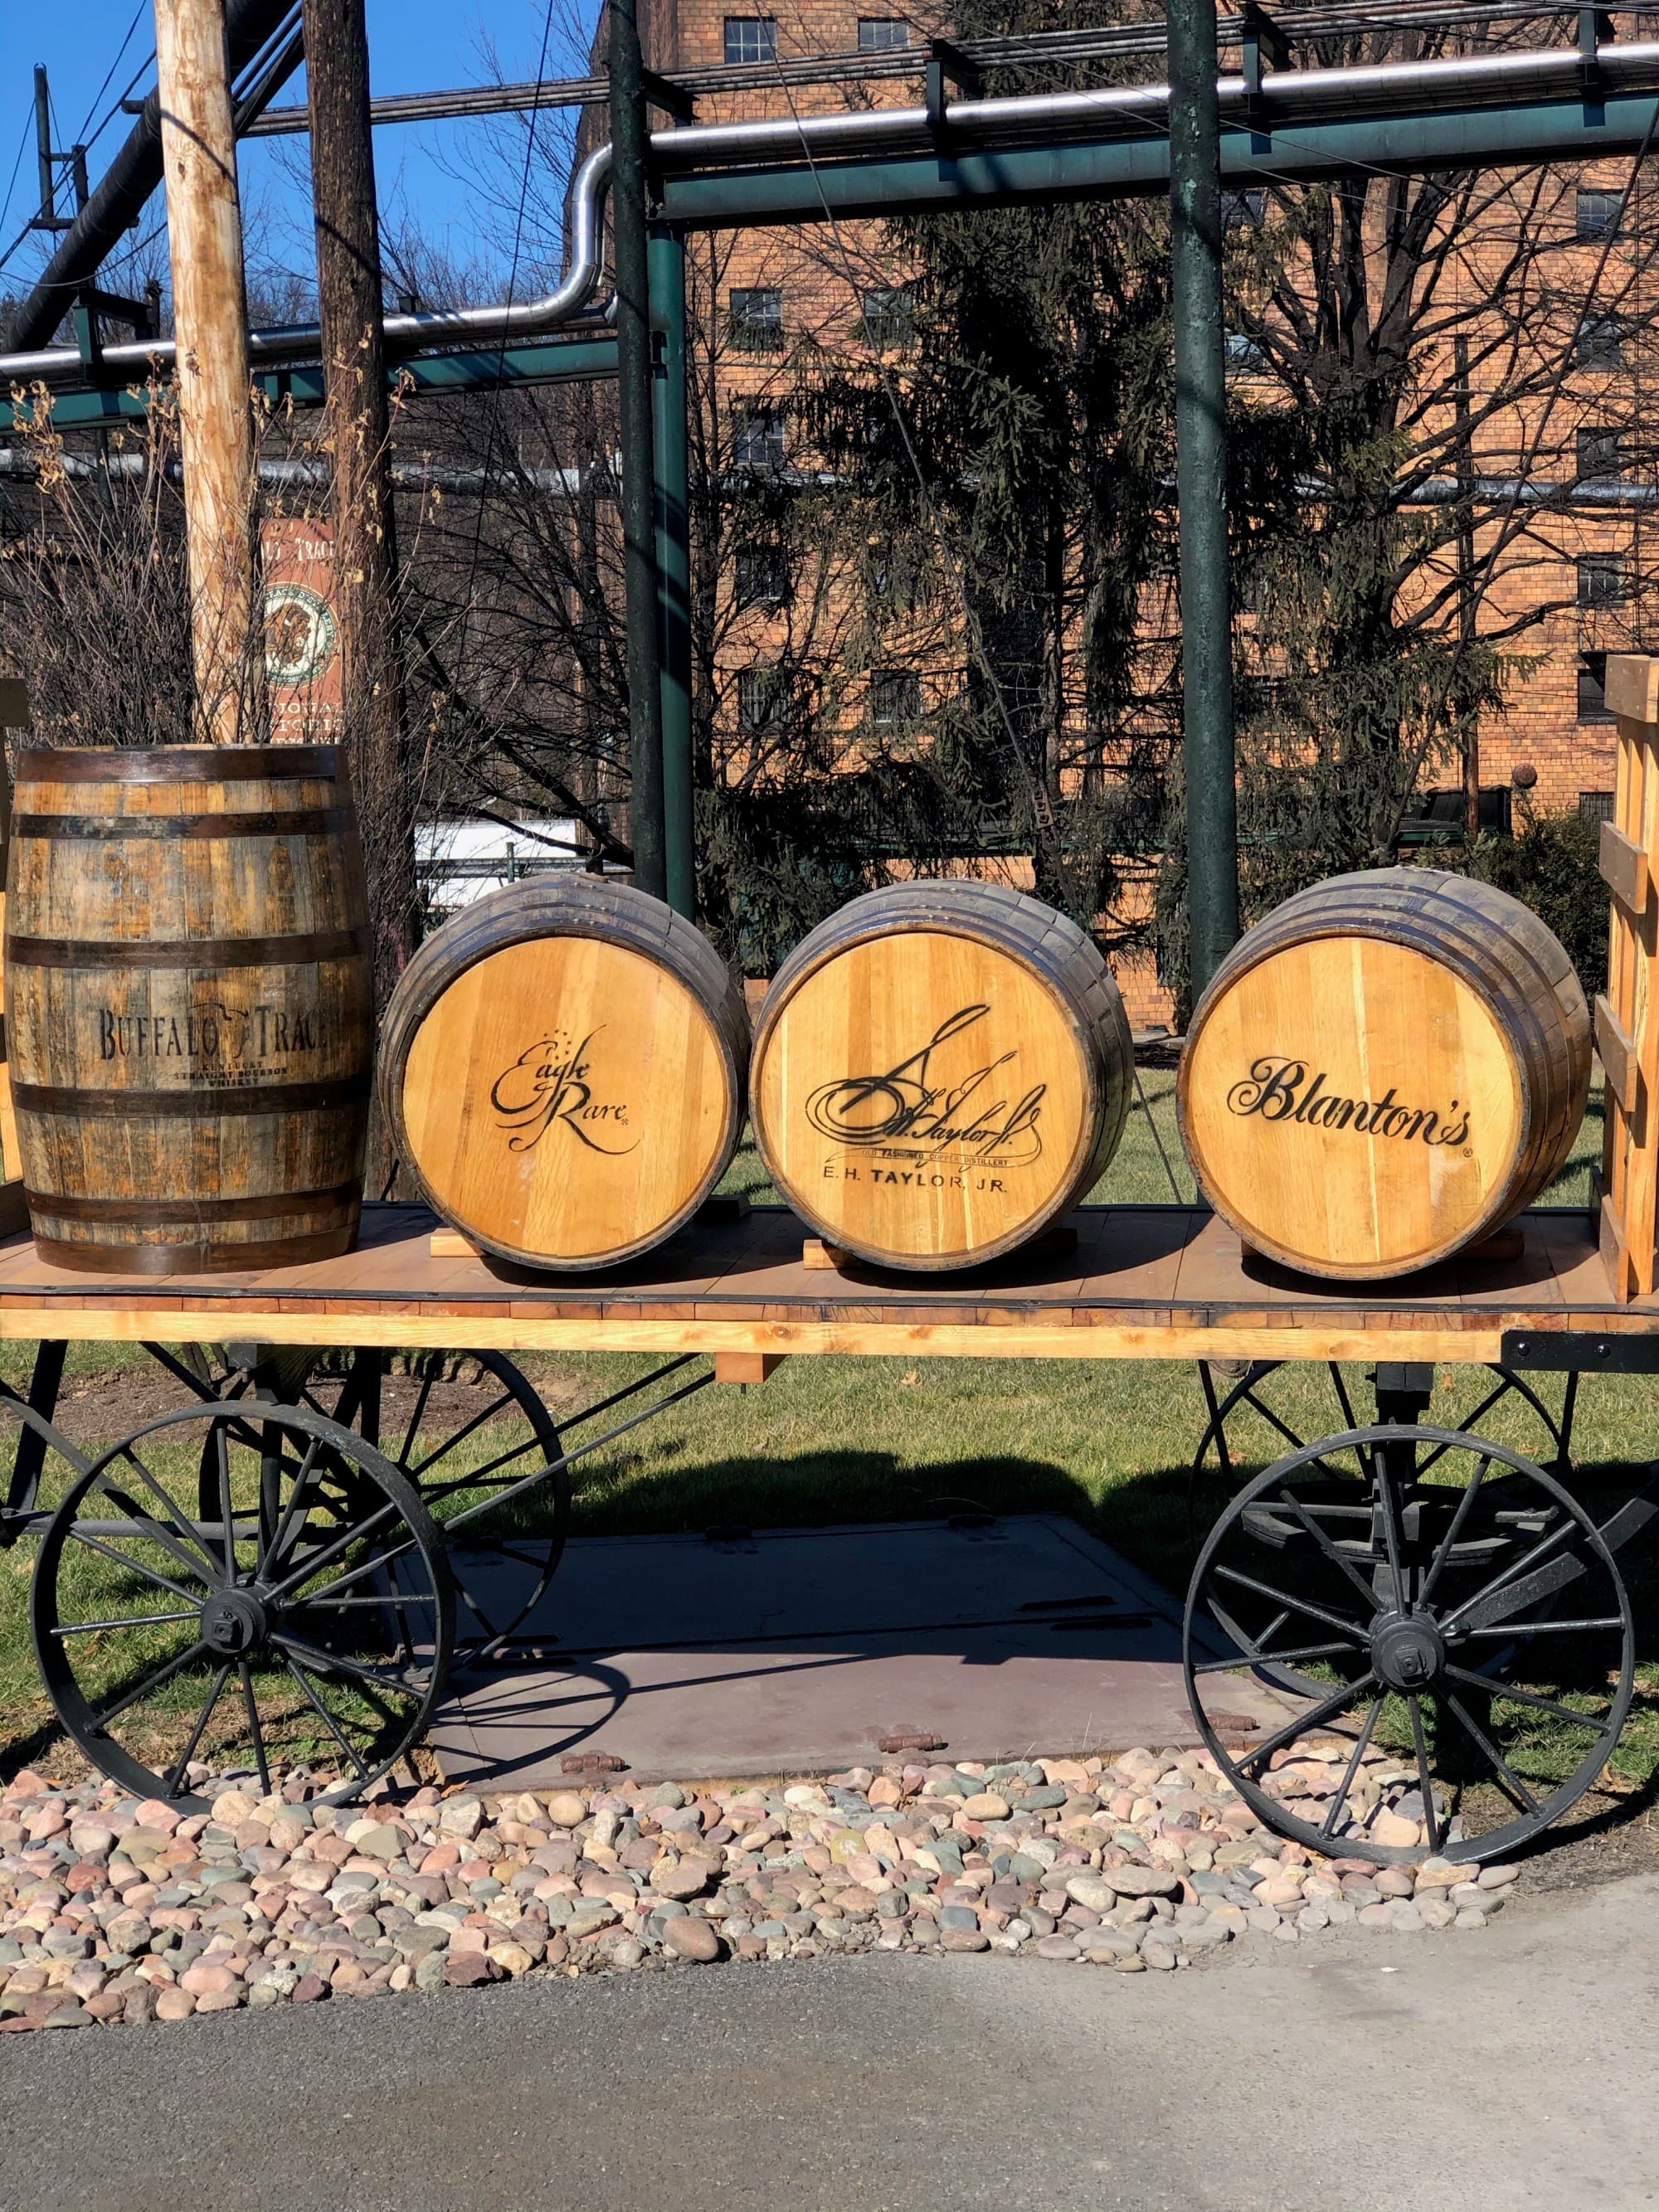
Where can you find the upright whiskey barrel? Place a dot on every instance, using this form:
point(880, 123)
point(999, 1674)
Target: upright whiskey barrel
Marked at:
point(563, 1069)
point(941, 1071)
point(1383, 1072)
point(189, 1005)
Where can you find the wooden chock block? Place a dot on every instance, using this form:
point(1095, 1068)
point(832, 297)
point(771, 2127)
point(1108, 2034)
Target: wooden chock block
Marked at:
point(747, 1366)
point(452, 1244)
point(820, 1257)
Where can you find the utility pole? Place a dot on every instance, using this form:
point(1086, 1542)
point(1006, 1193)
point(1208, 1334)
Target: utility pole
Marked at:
point(1466, 580)
point(359, 434)
point(633, 376)
point(216, 415)
point(1200, 371)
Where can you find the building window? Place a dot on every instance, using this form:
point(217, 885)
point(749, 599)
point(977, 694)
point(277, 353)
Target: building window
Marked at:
point(883, 34)
point(1596, 806)
point(1244, 355)
point(889, 317)
point(1601, 456)
point(752, 37)
point(1243, 210)
point(1601, 579)
point(763, 697)
point(757, 437)
point(755, 321)
point(1600, 343)
point(895, 697)
point(762, 579)
point(1597, 218)
point(1592, 689)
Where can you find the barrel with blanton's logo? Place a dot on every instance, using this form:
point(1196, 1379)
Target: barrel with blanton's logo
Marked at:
point(1383, 1072)
point(563, 1069)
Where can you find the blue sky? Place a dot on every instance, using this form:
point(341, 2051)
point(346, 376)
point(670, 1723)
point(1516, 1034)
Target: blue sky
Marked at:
point(451, 186)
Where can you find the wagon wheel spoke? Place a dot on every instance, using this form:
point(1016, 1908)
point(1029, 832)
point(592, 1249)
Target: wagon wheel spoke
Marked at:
point(1328, 1826)
point(1489, 1546)
point(272, 1610)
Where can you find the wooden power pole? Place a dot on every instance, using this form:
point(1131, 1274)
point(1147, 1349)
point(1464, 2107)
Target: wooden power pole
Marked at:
point(359, 434)
point(215, 418)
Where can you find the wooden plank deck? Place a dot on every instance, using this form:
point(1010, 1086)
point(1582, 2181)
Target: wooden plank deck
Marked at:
point(1145, 1282)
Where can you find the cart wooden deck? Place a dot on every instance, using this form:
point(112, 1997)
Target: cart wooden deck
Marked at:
point(1145, 1282)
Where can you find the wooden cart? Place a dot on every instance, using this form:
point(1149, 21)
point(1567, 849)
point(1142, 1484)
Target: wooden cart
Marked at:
point(1394, 1577)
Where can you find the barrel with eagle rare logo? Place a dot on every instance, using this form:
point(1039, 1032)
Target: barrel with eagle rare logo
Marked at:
point(562, 1069)
point(941, 1071)
point(1383, 1072)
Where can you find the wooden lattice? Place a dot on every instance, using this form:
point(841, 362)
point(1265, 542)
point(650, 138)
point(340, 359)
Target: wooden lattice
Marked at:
point(1627, 1019)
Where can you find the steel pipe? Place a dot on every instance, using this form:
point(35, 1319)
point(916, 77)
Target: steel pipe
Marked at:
point(433, 327)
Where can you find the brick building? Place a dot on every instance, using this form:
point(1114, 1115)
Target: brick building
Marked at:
point(1527, 407)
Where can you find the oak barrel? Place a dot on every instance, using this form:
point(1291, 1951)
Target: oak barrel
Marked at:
point(1383, 1071)
point(941, 1071)
point(189, 1005)
point(562, 1069)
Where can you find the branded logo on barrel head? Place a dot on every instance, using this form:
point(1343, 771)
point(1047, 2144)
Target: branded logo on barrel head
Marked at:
point(1277, 1089)
point(221, 1045)
point(911, 1113)
point(551, 1085)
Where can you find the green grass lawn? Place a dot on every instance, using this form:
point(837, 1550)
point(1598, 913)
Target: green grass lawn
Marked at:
point(855, 1439)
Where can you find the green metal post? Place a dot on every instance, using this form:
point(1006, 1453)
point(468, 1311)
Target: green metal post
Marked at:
point(1200, 371)
point(668, 447)
point(628, 226)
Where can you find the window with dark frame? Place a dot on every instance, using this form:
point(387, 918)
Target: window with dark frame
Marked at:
point(889, 317)
point(762, 576)
point(1596, 806)
point(763, 697)
point(1601, 456)
point(1601, 579)
point(1244, 353)
point(895, 697)
point(1592, 688)
point(1596, 217)
point(1243, 210)
point(757, 436)
point(1601, 342)
point(755, 318)
point(883, 34)
point(751, 39)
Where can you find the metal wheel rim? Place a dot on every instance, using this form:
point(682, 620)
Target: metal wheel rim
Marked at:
point(1469, 1851)
point(87, 1727)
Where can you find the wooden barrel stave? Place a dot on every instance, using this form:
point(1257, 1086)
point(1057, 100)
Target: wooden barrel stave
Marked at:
point(1512, 969)
point(577, 956)
point(1064, 1013)
point(190, 1006)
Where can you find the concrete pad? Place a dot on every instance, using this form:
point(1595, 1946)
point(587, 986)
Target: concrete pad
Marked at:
point(798, 1650)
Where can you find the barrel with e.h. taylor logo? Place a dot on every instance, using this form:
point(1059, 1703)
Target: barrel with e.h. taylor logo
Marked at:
point(941, 1071)
point(189, 1005)
point(1383, 1072)
point(563, 1069)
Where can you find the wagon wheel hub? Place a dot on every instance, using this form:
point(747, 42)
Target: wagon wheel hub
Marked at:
point(1408, 1653)
point(233, 1623)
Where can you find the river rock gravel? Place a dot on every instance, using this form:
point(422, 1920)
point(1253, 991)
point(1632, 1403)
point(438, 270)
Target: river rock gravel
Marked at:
point(116, 1910)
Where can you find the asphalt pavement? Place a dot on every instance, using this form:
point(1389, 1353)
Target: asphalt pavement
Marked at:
point(1351, 2073)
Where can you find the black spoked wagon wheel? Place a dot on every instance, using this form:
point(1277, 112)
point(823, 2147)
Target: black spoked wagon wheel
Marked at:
point(309, 1613)
point(1446, 1618)
point(461, 1457)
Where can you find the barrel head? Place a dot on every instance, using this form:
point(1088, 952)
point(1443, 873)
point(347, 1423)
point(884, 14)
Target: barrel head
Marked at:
point(565, 1100)
point(923, 1099)
point(1353, 1107)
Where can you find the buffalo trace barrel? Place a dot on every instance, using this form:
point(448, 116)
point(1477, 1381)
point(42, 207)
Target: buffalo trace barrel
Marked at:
point(941, 1071)
point(563, 1069)
point(1383, 1071)
point(189, 1005)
